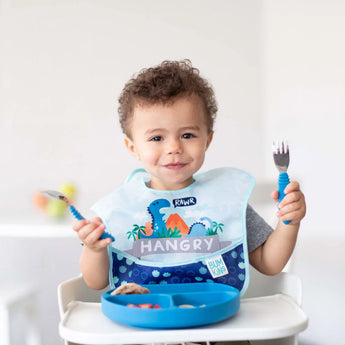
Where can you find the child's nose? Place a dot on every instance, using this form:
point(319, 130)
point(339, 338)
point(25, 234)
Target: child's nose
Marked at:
point(174, 147)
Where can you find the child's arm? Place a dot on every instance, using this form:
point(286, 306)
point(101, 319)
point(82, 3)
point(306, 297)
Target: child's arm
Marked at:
point(94, 261)
point(271, 257)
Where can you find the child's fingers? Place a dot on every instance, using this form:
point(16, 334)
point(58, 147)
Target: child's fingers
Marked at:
point(104, 242)
point(275, 195)
point(88, 230)
point(293, 208)
point(86, 224)
point(94, 235)
point(78, 224)
point(290, 198)
point(287, 209)
point(292, 201)
point(286, 213)
point(292, 187)
point(295, 215)
point(96, 220)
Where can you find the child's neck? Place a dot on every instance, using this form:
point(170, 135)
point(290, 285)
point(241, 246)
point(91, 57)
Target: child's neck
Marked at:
point(170, 186)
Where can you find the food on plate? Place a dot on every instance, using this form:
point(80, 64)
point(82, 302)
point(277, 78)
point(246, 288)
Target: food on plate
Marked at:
point(186, 306)
point(144, 306)
point(191, 306)
point(130, 289)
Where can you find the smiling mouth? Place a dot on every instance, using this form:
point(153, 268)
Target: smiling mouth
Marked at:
point(174, 166)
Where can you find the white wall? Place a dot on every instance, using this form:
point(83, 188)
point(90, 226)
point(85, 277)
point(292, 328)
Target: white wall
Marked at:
point(63, 66)
point(304, 101)
point(278, 71)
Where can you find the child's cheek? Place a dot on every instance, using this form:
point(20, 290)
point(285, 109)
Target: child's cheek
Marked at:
point(149, 158)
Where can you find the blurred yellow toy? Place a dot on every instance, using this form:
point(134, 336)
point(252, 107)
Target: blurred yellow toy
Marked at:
point(69, 190)
point(55, 208)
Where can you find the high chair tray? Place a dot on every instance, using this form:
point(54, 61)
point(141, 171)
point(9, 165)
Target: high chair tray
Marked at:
point(172, 306)
point(269, 317)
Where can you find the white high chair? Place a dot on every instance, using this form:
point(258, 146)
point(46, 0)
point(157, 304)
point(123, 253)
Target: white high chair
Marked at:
point(270, 313)
point(18, 314)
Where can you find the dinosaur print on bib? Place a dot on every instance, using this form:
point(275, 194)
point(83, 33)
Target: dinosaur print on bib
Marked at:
point(197, 234)
point(174, 235)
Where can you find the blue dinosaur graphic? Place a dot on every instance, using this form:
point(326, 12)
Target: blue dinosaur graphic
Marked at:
point(199, 229)
point(158, 224)
point(159, 228)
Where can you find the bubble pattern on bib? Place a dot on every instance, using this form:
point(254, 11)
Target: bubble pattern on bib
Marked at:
point(128, 271)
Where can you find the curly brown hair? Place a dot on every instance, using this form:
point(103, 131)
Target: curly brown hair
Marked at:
point(163, 84)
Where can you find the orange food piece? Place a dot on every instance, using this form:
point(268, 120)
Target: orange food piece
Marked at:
point(146, 305)
point(132, 305)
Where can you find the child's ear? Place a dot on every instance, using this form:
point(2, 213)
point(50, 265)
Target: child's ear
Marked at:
point(131, 147)
point(210, 137)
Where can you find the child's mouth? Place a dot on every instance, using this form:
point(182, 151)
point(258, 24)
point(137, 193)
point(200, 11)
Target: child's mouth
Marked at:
point(174, 166)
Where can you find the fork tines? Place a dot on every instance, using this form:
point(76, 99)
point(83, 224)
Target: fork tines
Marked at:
point(280, 147)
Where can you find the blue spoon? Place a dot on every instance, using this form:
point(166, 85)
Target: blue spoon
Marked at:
point(58, 195)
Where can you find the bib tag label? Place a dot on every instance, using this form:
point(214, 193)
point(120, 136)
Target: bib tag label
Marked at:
point(216, 266)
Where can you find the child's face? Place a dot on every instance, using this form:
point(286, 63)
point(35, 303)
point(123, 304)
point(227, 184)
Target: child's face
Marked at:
point(170, 141)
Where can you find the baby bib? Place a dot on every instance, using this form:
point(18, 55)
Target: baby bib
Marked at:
point(197, 234)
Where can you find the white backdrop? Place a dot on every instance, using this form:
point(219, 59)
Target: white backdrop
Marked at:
point(277, 68)
point(304, 100)
point(63, 67)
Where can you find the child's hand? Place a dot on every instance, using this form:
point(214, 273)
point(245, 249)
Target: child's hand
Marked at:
point(90, 231)
point(292, 207)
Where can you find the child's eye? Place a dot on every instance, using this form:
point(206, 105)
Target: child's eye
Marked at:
point(156, 138)
point(188, 136)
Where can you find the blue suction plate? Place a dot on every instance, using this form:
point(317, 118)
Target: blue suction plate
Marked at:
point(211, 302)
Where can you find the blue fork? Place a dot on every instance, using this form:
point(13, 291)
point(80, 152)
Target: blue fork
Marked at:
point(281, 157)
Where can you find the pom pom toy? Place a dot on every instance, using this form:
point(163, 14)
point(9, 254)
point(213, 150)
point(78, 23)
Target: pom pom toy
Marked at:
point(55, 207)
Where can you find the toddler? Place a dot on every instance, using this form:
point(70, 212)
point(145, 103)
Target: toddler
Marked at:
point(171, 224)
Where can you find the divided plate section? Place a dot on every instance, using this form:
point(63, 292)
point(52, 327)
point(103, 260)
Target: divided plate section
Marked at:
point(177, 305)
point(161, 300)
